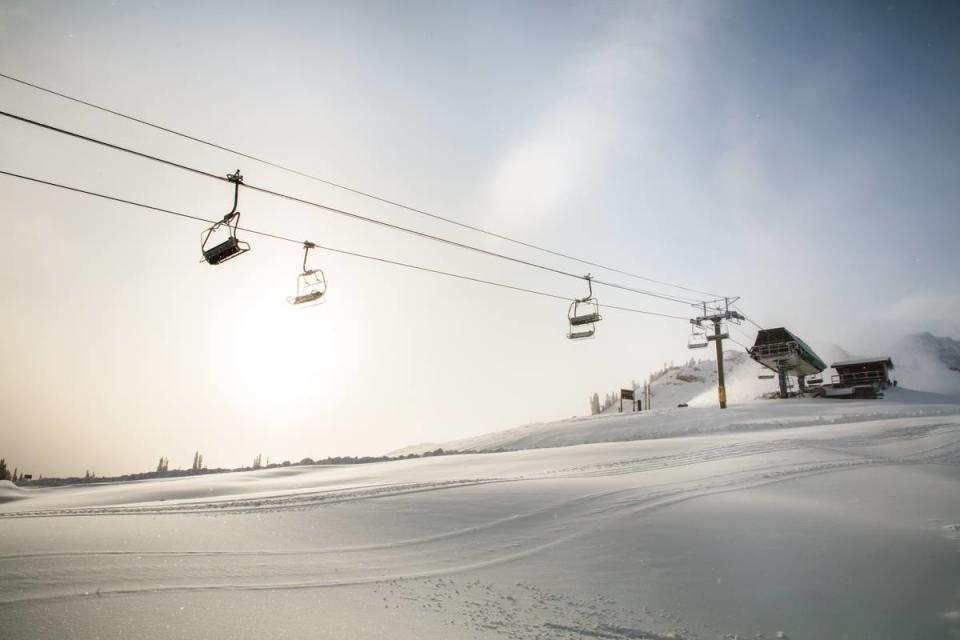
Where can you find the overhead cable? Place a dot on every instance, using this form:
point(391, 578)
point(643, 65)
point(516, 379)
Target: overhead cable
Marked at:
point(300, 242)
point(360, 192)
point(342, 212)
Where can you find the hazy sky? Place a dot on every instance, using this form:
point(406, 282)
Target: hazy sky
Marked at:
point(801, 155)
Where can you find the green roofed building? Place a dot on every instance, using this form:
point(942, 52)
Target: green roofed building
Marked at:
point(786, 355)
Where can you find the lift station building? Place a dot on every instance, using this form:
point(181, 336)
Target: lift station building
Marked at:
point(864, 372)
point(786, 355)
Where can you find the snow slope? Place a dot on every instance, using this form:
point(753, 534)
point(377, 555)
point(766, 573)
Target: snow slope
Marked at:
point(701, 417)
point(697, 383)
point(9, 491)
point(810, 518)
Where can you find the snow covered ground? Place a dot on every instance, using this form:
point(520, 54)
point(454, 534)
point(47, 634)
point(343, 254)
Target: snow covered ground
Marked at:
point(805, 518)
point(702, 416)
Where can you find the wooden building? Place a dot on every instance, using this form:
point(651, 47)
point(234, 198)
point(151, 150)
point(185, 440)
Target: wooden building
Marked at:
point(863, 371)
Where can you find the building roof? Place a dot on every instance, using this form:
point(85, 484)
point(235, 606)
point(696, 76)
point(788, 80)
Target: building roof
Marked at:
point(855, 361)
point(780, 334)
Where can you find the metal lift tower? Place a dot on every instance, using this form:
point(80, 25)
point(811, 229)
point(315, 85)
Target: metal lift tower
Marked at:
point(716, 316)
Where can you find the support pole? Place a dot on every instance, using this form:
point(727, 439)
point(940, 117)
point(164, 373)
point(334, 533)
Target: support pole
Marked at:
point(721, 388)
point(717, 318)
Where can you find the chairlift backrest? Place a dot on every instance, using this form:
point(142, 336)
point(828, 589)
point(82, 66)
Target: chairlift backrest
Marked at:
point(230, 247)
point(587, 316)
point(227, 249)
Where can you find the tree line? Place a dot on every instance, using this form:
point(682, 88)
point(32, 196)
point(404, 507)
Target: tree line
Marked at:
point(198, 467)
point(12, 476)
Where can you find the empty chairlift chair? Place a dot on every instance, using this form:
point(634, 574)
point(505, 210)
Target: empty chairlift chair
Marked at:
point(230, 247)
point(311, 283)
point(698, 337)
point(583, 315)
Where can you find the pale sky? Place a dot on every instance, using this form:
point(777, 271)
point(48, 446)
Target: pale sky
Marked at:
point(800, 155)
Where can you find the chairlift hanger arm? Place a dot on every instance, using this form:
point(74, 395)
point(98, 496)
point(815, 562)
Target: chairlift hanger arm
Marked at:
point(307, 245)
point(589, 280)
point(237, 180)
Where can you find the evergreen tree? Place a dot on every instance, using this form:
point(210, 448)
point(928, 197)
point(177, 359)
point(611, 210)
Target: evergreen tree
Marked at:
point(3, 469)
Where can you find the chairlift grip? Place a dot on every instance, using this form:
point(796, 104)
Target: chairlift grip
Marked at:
point(307, 245)
point(237, 180)
point(589, 280)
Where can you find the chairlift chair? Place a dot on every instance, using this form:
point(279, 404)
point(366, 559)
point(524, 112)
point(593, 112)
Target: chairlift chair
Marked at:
point(814, 380)
point(698, 337)
point(583, 315)
point(230, 247)
point(311, 283)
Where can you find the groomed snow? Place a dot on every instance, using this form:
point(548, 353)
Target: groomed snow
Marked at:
point(806, 518)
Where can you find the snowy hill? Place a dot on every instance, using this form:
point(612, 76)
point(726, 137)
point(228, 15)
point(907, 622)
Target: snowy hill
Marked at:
point(9, 491)
point(695, 383)
point(703, 416)
point(719, 535)
point(928, 362)
point(923, 362)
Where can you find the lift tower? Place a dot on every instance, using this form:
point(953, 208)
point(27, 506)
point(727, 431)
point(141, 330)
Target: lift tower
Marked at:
point(716, 315)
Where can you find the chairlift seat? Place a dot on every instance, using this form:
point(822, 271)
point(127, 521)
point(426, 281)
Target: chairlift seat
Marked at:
point(311, 296)
point(766, 376)
point(588, 318)
point(229, 248)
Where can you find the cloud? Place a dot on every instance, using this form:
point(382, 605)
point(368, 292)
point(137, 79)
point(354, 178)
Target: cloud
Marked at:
point(567, 146)
point(933, 311)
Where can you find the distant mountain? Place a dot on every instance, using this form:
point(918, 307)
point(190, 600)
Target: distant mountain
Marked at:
point(927, 362)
